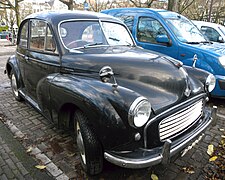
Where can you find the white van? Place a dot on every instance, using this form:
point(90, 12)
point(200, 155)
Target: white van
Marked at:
point(214, 32)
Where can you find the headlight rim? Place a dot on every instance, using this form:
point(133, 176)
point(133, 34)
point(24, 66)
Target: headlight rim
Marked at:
point(132, 110)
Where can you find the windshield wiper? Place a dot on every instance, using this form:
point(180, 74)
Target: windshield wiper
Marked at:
point(208, 42)
point(92, 44)
point(114, 39)
point(193, 42)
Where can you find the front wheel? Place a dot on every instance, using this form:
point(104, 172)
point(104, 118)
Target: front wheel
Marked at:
point(14, 86)
point(90, 149)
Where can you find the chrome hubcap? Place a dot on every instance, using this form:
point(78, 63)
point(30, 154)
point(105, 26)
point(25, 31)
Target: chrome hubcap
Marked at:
point(14, 85)
point(80, 144)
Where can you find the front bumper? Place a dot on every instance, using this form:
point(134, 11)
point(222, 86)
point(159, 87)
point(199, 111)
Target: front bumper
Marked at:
point(142, 158)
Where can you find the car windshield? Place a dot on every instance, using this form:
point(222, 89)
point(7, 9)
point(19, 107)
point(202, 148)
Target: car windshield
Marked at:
point(185, 31)
point(85, 34)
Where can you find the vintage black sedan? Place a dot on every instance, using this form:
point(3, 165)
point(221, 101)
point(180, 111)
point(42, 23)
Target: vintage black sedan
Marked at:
point(133, 107)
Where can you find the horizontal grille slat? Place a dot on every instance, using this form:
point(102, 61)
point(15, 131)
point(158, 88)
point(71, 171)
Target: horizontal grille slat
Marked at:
point(175, 124)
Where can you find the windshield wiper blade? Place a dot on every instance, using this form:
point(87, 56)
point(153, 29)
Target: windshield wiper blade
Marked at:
point(114, 39)
point(92, 44)
point(208, 42)
point(193, 42)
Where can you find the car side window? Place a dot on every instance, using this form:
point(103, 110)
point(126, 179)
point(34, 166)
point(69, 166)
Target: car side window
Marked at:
point(210, 33)
point(24, 35)
point(148, 29)
point(41, 38)
point(128, 20)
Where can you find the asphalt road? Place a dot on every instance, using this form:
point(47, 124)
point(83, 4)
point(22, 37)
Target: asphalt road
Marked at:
point(56, 148)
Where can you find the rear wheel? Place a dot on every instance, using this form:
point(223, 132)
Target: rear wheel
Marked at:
point(90, 149)
point(14, 86)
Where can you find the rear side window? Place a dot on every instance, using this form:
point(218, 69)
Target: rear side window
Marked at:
point(128, 20)
point(24, 35)
point(148, 29)
point(41, 37)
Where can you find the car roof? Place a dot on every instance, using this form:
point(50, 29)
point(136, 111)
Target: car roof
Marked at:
point(210, 24)
point(161, 12)
point(58, 16)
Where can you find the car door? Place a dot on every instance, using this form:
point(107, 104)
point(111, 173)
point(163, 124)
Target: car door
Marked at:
point(148, 29)
point(42, 59)
point(22, 48)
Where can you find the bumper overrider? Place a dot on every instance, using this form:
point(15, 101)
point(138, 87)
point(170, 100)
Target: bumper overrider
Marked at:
point(142, 158)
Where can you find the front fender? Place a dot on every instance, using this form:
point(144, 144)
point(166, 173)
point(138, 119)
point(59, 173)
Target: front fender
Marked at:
point(105, 106)
point(199, 74)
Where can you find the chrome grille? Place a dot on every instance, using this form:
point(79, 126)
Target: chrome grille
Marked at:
point(177, 123)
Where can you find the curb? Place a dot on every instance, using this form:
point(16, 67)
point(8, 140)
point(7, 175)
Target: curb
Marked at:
point(56, 172)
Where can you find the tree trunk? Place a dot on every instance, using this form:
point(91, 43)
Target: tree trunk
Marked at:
point(16, 9)
point(171, 4)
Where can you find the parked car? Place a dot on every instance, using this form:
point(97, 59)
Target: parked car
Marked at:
point(4, 35)
point(173, 34)
point(84, 72)
point(214, 32)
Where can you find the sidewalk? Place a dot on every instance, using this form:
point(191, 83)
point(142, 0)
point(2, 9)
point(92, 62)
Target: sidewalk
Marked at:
point(6, 48)
point(15, 163)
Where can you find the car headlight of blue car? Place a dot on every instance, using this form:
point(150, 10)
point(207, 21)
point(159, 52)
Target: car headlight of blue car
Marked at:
point(222, 60)
point(210, 82)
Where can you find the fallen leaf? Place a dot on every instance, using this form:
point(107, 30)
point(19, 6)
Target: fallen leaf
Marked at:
point(210, 150)
point(213, 158)
point(29, 149)
point(40, 167)
point(223, 136)
point(222, 130)
point(189, 170)
point(154, 177)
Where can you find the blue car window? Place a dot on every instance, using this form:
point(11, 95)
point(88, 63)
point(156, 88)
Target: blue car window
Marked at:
point(148, 30)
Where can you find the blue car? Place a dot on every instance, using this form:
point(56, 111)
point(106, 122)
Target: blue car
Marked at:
point(173, 34)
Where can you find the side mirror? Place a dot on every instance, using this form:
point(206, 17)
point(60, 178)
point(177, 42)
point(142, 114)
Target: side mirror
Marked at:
point(106, 73)
point(163, 39)
point(220, 39)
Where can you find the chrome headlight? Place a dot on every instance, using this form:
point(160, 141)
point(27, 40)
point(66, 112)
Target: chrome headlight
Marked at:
point(139, 112)
point(222, 60)
point(210, 82)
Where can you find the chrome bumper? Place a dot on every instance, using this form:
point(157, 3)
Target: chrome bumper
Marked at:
point(146, 158)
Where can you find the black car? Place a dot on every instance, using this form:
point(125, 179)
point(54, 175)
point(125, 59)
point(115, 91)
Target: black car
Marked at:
point(84, 72)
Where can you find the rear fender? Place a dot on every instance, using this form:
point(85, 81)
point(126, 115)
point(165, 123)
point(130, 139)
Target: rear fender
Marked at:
point(12, 64)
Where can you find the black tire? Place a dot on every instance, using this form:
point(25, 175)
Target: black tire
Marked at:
point(14, 86)
point(90, 149)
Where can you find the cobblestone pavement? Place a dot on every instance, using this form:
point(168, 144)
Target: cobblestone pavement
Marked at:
point(55, 149)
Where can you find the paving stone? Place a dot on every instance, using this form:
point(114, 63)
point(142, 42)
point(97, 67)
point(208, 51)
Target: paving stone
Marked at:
point(2, 162)
point(62, 177)
point(10, 164)
point(3, 177)
point(7, 171)
point(53, 169)
point(43, 158)
point(21, 168)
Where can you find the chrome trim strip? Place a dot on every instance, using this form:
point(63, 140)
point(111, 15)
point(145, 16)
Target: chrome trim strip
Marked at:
point(132, 163)
point(168, 110)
